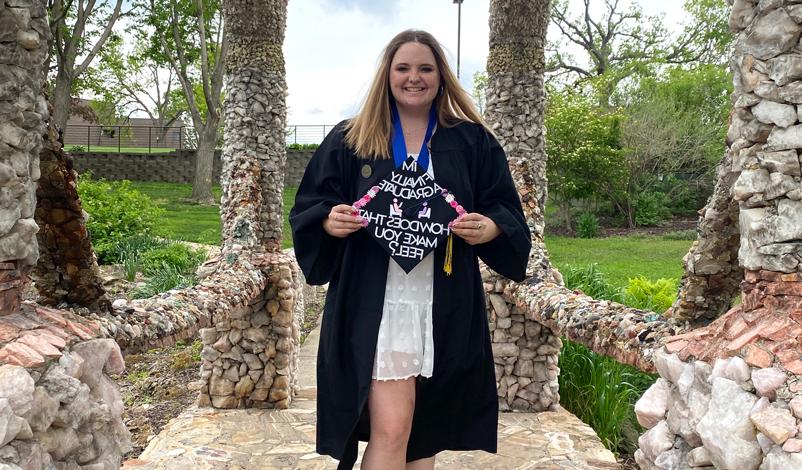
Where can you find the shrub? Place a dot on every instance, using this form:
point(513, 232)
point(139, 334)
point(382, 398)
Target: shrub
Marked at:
point(302, 146)
point(587, 225)
point(591, 281)
point(657, 296)
point(602, 392)
point(165, 278)
point(77, 148)
point(689, 234)
point(175, 254)
point(116, 211)
point(651, 208)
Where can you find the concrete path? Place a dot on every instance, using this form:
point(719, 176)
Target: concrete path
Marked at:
point(266, 439)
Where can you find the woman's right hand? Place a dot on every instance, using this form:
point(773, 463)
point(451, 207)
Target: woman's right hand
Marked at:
point(341, 221)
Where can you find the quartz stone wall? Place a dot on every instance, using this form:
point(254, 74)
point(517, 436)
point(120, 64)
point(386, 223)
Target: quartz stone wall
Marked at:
point(250, 359)
point(23, 50)
point(58, 406)
point(731, 396)
point(721, 414)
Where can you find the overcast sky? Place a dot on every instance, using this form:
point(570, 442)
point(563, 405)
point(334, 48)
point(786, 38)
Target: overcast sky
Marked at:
point(332, 46)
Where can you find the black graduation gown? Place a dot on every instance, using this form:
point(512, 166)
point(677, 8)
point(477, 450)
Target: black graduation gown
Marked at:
point(457, 408)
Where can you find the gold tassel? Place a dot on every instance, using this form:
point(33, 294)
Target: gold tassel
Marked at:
point(449, 250)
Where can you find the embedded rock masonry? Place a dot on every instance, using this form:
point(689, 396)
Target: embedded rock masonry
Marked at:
point(250, 358)
point(58, 406)
point(524, 351)
point(729, 392)
point(722, 414)
point(24, 32)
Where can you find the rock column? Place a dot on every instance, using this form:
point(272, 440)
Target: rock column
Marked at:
point(730, 394)
point(250, 359)
point(524, 351)
point(24, 32)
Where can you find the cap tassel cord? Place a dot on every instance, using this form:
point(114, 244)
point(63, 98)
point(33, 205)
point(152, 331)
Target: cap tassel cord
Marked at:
point(449, 250)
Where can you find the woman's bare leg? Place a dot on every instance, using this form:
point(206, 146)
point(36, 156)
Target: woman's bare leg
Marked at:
point(421, 464)
point(391, 404)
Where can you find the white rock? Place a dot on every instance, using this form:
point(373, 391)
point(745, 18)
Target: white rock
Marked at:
point(776, 423)
point(670, 366)
point(119, 303)
point(10, 424)
point(785, 138)
point(16, 385)
point(767, 381)
point(785, 68)
point(650, 409)
point(770, 35)
point(743, 12)
point(780, 185)
point(789, 213)
point(643, 462)
point(656, 441)
point(726, 430)
point(785, 162)
point(43, 410)
point(765, 443)
point(750, 182)
point(734, 368)
point(699, 457)
point(771, 112)
point(779, 460)
point(760, 405)
point(796, 406)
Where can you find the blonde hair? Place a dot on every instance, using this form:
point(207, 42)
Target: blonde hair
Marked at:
point(369, 132)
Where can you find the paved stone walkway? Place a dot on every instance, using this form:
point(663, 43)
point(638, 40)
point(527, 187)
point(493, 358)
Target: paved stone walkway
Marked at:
point(264, 439)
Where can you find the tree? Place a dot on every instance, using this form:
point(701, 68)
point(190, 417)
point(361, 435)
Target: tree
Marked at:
point(479, 90)
point(79, 30)
point(188, 35)
point(622, 42)
point(133, 82)
point(586, 159)
point(254, 153)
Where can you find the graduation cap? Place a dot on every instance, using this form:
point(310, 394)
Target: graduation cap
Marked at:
point(409, 214)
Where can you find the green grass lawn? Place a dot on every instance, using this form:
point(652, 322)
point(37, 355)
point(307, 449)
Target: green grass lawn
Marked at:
point(193, 222)
point(620, 258)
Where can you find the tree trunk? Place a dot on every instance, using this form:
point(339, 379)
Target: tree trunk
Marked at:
point(67, 269)
point(204, 160)
point(61, 100)
point(515, 108)
point(254, 153)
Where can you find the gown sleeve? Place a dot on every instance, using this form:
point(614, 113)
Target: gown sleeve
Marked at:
point(497, 198)
point(323, 186)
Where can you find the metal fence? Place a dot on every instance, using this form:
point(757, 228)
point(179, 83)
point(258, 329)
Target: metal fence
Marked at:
point(307, 134)
point(149, 139)
point(113, 138)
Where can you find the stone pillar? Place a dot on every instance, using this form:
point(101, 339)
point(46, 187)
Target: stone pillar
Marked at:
point(524, 351)
point(24, 32)
point(730, 393)
point(250, 359)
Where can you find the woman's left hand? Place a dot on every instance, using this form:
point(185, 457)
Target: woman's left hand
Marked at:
point(475, 228)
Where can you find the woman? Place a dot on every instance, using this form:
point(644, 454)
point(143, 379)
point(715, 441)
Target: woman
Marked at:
point(415, 348)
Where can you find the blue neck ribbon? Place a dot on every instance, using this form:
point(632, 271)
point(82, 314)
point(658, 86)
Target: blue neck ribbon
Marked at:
point(400, 146)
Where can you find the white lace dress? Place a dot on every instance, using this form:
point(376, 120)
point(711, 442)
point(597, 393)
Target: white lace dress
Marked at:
point(405, 347)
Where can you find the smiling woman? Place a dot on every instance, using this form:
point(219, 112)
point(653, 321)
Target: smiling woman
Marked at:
point(405, 361)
